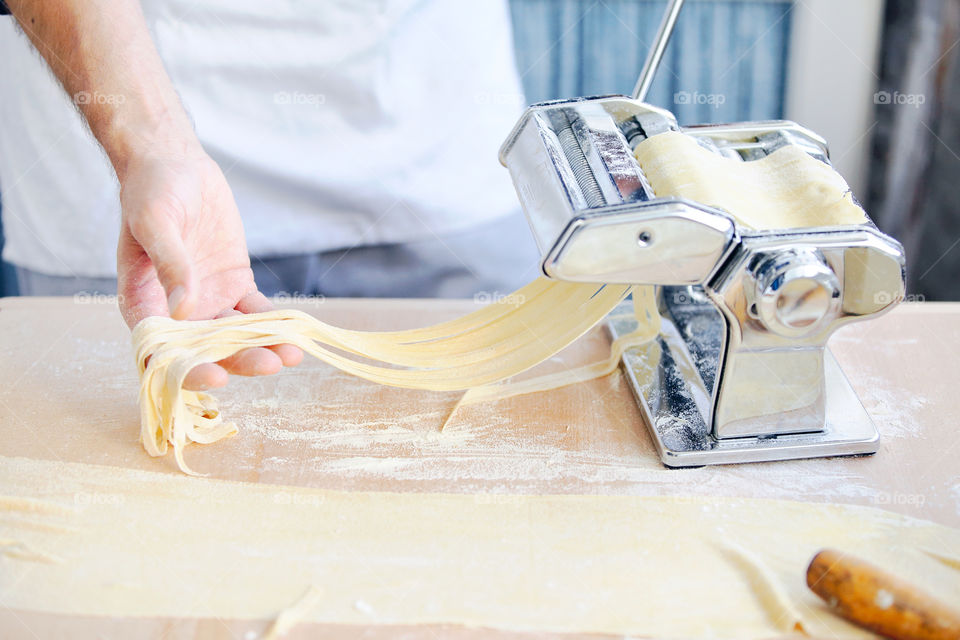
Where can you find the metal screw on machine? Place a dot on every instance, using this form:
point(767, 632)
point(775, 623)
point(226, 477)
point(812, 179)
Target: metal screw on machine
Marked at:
point(796, 291)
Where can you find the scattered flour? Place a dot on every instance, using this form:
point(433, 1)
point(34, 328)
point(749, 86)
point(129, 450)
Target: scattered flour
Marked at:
point(894, 410)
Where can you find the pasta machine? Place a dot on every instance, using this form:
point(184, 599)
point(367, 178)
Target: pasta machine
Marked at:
point(740, 371)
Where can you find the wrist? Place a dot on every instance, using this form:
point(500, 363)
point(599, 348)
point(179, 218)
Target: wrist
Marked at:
point(131, 137)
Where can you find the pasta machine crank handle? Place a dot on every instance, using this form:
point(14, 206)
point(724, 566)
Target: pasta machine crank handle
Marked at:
point(656, 52)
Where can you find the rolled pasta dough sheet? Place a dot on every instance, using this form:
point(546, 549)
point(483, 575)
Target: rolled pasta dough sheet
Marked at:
point(784, 190)
point(161, 544)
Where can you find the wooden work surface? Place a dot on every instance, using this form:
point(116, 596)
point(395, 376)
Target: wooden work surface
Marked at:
point(68, 392)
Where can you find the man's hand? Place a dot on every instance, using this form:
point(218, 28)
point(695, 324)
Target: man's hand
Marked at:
point(182, 250)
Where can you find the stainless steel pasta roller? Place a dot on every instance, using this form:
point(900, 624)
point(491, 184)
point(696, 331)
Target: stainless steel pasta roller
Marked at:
point(740, 371)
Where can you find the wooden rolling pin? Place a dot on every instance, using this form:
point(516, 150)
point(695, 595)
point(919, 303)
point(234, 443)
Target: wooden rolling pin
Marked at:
point(878, 601)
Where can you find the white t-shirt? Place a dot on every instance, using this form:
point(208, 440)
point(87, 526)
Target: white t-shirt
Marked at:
point(336, 123)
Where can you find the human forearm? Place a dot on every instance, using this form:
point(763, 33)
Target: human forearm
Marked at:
point(181, 250)
point(102, 54)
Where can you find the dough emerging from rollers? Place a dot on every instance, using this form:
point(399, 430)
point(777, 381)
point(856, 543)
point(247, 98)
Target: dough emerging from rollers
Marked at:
point(787, 189)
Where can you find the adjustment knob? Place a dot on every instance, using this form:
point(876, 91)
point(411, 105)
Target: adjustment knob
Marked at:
point(796, 291)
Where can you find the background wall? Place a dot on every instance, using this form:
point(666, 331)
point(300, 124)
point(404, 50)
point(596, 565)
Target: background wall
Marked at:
point(833, 78)
point(915, 155)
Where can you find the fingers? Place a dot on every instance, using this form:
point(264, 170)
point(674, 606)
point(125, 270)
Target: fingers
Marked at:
point(289, 355)
point(256, 361)
point(206, 376)
point(256, 302)
point(162, 241)
point(141, 295)
point(172, 262)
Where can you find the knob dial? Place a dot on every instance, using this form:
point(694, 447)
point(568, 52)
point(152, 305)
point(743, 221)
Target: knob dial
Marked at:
point(796, 292)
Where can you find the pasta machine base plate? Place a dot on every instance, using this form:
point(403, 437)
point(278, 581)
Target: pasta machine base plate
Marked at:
point(671, 394)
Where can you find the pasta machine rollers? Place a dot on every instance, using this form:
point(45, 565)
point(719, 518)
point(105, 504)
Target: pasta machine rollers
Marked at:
point(740, 371)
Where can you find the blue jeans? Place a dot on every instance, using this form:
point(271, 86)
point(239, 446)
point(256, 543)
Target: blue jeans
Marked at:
point(490, 259)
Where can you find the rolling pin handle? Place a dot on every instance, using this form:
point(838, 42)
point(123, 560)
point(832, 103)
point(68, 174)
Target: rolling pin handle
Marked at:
point(878, 601)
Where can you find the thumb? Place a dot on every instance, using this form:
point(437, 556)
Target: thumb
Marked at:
point(162, 241)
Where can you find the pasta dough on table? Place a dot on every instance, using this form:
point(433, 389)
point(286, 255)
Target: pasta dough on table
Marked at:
point(162, 544)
